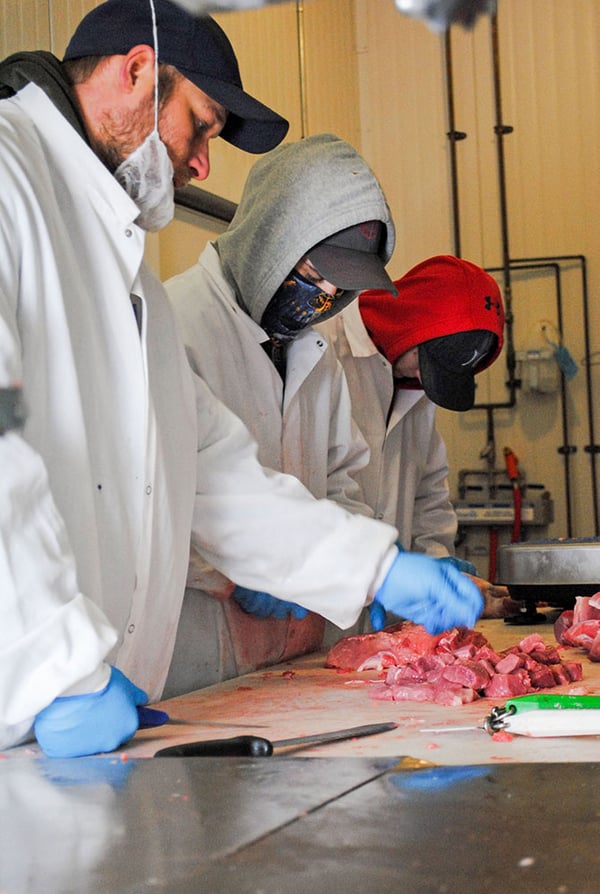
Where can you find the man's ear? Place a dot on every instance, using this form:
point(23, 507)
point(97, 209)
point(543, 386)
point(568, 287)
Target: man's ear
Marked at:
point(136, 72)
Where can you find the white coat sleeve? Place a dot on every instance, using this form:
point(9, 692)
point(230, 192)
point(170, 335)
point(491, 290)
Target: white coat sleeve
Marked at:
point(265, 531)
point(434, 519)
point(348, 452)
point(51, 637)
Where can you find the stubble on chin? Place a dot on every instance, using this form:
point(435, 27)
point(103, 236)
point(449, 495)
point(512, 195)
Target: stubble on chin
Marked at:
point(116, 137)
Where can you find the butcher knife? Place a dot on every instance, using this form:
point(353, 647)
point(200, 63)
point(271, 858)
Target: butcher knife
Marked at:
point(542, 715)
point(256, 746)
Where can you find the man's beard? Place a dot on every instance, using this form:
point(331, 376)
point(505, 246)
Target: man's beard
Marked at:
point(119, 138)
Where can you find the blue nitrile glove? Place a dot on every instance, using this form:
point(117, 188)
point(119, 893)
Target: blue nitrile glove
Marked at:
point(461, 564)
point(430, 592)
point(76, 725)
point(264, 606)
point(378, 615)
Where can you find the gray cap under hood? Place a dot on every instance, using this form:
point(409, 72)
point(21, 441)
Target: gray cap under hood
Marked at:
point(294, 197)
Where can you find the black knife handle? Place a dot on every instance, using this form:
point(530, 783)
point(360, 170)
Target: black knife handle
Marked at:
point(239, 746)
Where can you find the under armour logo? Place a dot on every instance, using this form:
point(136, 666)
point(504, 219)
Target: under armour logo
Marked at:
point(489, 304)
point(473, 360)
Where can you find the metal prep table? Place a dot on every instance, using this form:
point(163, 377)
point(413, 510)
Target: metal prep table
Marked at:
point(520, 816)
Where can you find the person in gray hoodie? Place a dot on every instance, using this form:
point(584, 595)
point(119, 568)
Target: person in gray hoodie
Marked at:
point(312, 229)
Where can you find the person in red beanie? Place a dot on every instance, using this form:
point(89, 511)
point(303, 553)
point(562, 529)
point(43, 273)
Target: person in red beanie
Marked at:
point(403, 356)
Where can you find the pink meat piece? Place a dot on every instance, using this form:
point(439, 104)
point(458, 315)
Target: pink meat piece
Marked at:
point(352, 651)
point(508, 685)
point(574, 670)
point(470, 674)
point(486, 653)
point(414, 692)
point(441, 694)
point(381, 692)
point(580, 609)
point(582, 634)
point(406, 674)
point(453, 695)
point(562, 624)
point(461, 639)
point(509, 663)
point(549, 655)
point(595, 600)
point(585, 609)
point(456, 666)
point(424, 670)
point(379, 661)
point(594, 651)
point(406, 641)
point(560, 675)
point(542, 677)
point(531, 643)
point(488, 666)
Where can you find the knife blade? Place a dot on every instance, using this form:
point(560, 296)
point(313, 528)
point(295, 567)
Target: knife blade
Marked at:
point(451, 729)
point(256, 746)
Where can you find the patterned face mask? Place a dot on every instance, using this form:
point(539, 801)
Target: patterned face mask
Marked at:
point(298, 303)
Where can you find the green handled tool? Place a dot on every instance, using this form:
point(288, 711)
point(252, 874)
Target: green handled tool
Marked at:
point(540, 715)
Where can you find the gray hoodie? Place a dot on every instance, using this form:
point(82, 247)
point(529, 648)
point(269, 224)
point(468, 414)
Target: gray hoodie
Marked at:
point(294, 197)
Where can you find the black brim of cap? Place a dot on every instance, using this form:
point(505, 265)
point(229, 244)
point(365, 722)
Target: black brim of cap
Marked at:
point(251, 125)
point(451, 389)
point(350, 269)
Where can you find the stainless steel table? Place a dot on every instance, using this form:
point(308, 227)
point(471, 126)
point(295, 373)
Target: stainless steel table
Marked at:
point(286, 825)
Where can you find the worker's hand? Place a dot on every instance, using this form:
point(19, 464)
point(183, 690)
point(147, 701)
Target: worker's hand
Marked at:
point(377, 614)
point(461, 564)
point(76, 725)
point(264, 606)
point(497, 600)
point(429, 592)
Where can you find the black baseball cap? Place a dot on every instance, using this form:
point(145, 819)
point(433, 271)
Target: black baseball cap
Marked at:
point(447, 366)
point(197, 47)
point(350, 259)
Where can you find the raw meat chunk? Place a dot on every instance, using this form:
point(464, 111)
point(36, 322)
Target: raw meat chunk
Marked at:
point(455, 667)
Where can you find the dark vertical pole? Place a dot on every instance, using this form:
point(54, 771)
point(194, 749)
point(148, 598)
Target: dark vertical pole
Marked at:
point(501, 130)
point(453, 136)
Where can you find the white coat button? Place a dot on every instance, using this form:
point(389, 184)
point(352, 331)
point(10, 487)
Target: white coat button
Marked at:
point(129, 233)
point(131, 628)
point(149, 489)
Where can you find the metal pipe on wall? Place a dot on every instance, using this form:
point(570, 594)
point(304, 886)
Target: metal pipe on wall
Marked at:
point(302, 68)
point(205, 203)
point(592, 449)
point(454, 136)
point(566, 449)
point(501, 130)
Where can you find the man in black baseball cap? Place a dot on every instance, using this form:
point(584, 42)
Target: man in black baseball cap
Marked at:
point(91, 149)
point(148, 85)
point(197, 47)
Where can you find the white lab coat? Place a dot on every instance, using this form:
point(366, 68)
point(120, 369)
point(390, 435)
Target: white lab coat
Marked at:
point(305, 429)
point(406, 480)
point(127, 437)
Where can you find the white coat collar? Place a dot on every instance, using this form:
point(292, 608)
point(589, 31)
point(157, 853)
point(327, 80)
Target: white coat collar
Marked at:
point(85, 166)
point(359, 339)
